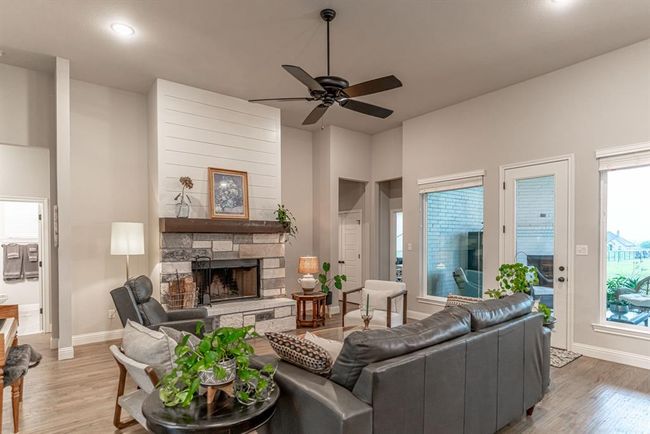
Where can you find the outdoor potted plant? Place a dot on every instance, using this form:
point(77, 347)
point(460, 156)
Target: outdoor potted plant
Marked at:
point(514, 278)
point(218, 358)
point(325, 282)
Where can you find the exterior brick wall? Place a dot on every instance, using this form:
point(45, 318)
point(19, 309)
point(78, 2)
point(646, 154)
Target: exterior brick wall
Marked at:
point(451, 215)
point(535, 216)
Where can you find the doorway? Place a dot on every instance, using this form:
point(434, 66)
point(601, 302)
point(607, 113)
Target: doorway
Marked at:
point(350, 250)
point(535, 232)
point(25, 282)
point(396, 244)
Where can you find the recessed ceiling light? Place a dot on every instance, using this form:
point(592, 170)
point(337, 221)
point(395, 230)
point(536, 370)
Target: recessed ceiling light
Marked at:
point(123, 30)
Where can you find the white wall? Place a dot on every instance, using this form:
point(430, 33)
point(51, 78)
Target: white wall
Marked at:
point(200, 129)
point(109, 183)
point(297, 196)
point(597, 103)
point(386, 165)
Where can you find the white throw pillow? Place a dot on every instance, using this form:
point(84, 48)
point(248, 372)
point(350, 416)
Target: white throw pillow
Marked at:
point(332, 347)
point(148, 346)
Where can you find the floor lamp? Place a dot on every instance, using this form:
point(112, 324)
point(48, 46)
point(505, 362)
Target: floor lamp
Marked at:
point(127, 239)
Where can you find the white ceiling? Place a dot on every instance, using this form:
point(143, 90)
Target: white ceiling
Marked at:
point(443, 51)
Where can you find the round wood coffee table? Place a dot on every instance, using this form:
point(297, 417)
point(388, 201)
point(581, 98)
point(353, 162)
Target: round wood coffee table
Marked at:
point(317, 299)
point(224, 415)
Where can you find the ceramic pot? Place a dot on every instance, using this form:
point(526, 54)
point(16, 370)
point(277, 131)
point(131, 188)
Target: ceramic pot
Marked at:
point(208, 377)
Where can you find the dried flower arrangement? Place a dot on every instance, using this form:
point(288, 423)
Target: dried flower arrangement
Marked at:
point(182, 199)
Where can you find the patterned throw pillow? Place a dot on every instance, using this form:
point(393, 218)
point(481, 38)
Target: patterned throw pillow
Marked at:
point(300, 352)
point(459, 300)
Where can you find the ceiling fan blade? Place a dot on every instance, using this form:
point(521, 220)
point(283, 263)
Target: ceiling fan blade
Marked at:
point(366, 109)
point(315, 114)
point(281, 99)
point(304, 78)
point(373, 86)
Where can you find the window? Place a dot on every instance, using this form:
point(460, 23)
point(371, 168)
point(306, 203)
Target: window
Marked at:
point(625, 235)
point(452, 212)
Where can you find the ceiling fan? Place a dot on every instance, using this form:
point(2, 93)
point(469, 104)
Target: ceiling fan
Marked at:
point(329, 89)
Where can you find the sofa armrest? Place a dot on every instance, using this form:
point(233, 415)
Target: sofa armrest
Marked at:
point(310, 403)
point(183, 314)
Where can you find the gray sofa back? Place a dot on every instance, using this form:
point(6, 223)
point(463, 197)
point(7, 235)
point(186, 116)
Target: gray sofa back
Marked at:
point(477, 383)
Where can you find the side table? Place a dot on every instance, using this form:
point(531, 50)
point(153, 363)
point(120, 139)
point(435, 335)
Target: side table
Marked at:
point(317, 300)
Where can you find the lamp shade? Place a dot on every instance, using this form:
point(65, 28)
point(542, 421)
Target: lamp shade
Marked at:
point(308, 265)
point(127, 238)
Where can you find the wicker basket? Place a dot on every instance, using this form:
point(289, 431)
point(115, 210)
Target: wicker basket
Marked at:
point(182, 294)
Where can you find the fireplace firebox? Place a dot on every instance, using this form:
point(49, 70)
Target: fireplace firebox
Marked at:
point(219, 280)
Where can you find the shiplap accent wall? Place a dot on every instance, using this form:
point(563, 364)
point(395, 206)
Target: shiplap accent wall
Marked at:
point(198, 129)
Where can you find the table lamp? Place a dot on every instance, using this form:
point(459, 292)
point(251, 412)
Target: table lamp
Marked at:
point(127, 239)
point(308, 265)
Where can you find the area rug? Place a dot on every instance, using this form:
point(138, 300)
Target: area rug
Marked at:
point(561, 358)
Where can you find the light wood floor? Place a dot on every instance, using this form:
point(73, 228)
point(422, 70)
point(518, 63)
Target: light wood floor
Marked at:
point(77, 396)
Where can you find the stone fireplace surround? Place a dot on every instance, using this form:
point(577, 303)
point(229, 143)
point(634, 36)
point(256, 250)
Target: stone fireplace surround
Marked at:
point(265, 241)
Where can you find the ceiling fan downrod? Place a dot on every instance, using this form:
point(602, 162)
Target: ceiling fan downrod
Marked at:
point(328, 15)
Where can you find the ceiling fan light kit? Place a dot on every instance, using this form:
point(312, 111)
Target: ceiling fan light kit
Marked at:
point(329, 89)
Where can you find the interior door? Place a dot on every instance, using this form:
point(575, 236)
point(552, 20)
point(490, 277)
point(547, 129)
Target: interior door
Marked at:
point(535, 233)
point(350, 236)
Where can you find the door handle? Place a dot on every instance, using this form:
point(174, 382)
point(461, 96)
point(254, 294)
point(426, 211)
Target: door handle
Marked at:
point(561, 279)
point(341, 262)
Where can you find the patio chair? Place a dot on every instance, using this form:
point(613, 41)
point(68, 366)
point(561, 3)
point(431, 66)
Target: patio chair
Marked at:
point(639, 297)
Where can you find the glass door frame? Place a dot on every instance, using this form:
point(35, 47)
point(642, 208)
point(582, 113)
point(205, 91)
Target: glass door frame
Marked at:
point(570, 287)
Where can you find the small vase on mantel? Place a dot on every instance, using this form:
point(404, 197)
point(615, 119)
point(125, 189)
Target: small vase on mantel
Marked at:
point(182, 210)
point(182, 199)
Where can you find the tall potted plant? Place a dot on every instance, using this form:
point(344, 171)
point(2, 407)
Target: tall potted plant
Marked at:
point(325, 282)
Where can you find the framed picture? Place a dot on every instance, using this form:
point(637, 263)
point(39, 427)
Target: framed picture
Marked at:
point(228, 194)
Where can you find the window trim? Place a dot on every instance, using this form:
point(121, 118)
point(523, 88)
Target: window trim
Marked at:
point(624, 157)
point(450, 182)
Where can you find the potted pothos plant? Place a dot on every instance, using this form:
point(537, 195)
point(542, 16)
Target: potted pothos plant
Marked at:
point(219, 358)
point(287, 220)
point(518, 277)
point(325, 281)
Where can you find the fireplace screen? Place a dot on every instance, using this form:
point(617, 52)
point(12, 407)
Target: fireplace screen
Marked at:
point(222, 280)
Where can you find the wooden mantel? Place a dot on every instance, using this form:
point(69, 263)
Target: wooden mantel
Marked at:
point(176, 225)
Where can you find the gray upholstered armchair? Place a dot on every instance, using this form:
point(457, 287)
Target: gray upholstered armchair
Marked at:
point(133, 302)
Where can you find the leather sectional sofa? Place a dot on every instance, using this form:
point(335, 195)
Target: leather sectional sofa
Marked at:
point(466, 369)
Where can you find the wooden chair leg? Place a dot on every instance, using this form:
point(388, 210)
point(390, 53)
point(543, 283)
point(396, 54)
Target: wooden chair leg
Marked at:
point(117, 415)
point(15, 403)
point(22, 383)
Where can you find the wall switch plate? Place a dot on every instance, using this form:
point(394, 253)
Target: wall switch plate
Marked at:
point(582, 249)
point(111, 313)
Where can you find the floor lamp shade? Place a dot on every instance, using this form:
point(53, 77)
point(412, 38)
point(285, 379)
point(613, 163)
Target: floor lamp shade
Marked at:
point(127, 238)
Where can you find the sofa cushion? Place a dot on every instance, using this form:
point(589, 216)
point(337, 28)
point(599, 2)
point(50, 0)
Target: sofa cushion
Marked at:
point(332, 347)
point(300, 352)
point(364, 347)
point(492, 312)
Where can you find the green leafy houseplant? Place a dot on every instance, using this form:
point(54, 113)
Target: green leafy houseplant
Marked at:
point(325, 281)
point(214, 350)
point(514, 278)
point(288, 221)
point(546, 311)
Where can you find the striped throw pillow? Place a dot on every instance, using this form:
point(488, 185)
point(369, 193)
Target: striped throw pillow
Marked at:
point(300, 352)
point(459, 300)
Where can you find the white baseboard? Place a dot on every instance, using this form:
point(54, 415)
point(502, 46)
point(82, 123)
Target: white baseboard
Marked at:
point(66, 353)
point(91, 338)
point(615, 356)
point(414, 314)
